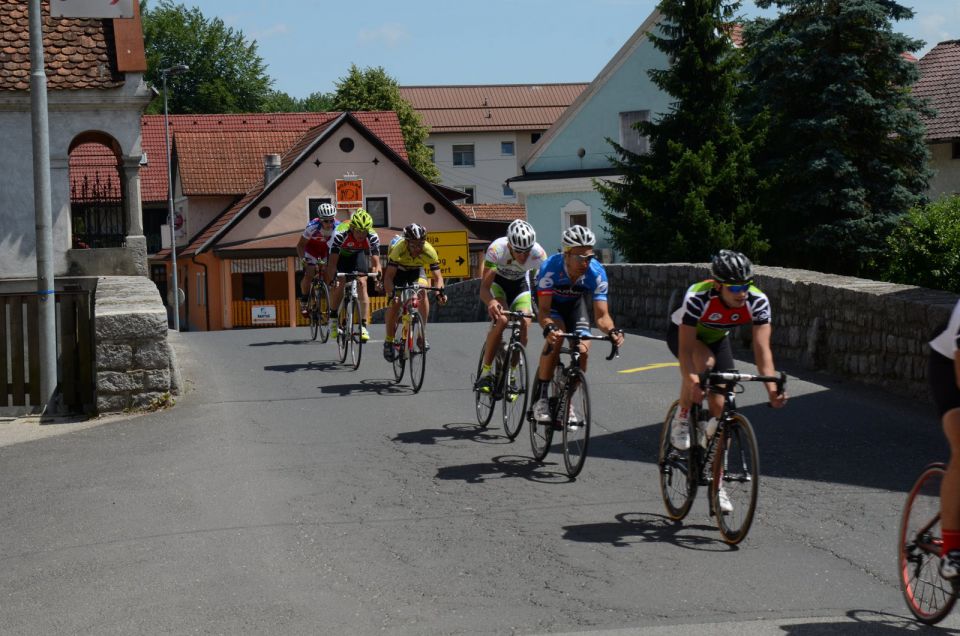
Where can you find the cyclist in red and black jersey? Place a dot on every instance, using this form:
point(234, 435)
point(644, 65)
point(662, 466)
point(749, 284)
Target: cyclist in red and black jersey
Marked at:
point(698, 330)
point(356, 248)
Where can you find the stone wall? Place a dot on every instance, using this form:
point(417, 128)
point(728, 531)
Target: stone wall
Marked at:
point(136, 366)
point(868, 331)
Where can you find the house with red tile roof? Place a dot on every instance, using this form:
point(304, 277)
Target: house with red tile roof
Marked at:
point(96, 94)
point(939, 84)
point(244, 255)
point(478, 132)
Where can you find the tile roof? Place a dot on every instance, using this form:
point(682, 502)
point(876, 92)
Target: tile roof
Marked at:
point(197, 138)
point(93, 167)
point(494, 211)
point(939, 84)
point(78, 53)
point(491, 107)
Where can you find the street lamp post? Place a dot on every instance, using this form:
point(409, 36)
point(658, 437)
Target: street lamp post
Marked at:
point(176, 69)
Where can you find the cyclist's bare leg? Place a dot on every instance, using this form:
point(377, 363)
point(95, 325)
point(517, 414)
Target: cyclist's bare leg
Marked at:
point(364, 298)
point(494, 336)
point(424, 310)
point(702, 360)
point(390, 318)
point(309, 271)
point(950, 488)
point(548, 361)
point(336, 295)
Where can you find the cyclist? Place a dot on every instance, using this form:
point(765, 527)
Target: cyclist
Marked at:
point(564, 281)
point(944, 372)
point(505, 283)
point(354, 248)
point(313, 248)
point(405, 262)
point(697, 336)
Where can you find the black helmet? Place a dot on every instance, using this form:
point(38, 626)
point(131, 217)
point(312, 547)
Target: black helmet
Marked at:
point(731, 267)
point(414, 232)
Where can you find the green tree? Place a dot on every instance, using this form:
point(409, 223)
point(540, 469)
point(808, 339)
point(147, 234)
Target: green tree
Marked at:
point(280, 102)
point(843, 155)
point(226, 73)
point(925, 246)
point(374, 89)
point(689, 196)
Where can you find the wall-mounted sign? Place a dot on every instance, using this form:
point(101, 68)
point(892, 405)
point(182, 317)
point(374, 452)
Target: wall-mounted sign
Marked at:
point(349, 193)
point(453, 251)
point(91, 8)
point(263, 315)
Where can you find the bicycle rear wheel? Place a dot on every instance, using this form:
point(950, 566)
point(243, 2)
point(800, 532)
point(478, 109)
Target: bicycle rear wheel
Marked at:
point(929, 597)
point(737, 470)
point(400, 351)
point(322, 312)
point(356, 339)
point(541, 433)
point(575, 418)
point(343, 331)
point(418, 356)
point(514, 390)
point(484, 402)
point(678, 480)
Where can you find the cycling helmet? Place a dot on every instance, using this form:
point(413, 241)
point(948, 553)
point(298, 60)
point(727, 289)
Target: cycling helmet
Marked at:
point(521, 236)
point(415, 232)
point(731, 267)
point(326, 211)
point(577, 236)
point(361, 220)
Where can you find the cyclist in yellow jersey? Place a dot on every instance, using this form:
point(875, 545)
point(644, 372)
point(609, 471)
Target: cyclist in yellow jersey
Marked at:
point(405, 264)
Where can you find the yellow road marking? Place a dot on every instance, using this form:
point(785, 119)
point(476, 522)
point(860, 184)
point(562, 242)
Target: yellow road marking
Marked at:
point(649, 367)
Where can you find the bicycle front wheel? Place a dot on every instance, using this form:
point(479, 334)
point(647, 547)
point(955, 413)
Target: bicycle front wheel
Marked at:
point(484, 402)
point(929, 597)
point(343, 332)
point(312, 309)
point(514, 390)
point(736, 473)
point(575, 418)
point(400, 351)
point(541, 433)
point(678, 482)
point(418, 356)
point(356, 333)
point(322, 312)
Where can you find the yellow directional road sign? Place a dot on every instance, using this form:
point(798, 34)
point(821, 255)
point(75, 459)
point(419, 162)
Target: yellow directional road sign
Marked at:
point(453, 251)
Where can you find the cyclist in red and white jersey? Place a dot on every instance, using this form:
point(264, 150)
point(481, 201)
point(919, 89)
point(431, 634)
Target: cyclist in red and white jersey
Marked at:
point(943, 370)
point(314, 246)
point(355, 248)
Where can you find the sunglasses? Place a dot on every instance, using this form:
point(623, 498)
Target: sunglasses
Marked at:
point(583, 258)
point(737, 288)
point(326, 221)
point(519, 251)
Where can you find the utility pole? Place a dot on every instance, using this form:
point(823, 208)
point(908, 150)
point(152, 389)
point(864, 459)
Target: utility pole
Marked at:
point(176, 69)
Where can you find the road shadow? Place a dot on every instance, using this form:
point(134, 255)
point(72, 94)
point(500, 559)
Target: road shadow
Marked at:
point(448, 432)
point(865, 623)
point(313, 365)
point(368, 386)
point(275, 343)
point(641, 527)
point(504, 467)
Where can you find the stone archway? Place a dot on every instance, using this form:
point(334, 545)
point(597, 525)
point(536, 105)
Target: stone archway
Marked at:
point(98, 216)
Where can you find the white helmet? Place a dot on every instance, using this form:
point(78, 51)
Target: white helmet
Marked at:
point(326, 211)
point(521, 235)
point(577, 236)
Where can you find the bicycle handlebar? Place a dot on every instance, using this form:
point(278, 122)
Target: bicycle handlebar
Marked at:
point(358, 274)
point(415, 286)
point(708, 378)
point(576, 337)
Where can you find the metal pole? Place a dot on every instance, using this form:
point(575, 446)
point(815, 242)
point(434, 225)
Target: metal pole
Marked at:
point(173, 234)
point(43, 213)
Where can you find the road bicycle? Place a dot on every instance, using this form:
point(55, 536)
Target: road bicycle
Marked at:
point(725, 462)
point(569, 400)
point(409, 341)
point(929, 596)
point(509, 379)
point(349, 319)
point(318, 309)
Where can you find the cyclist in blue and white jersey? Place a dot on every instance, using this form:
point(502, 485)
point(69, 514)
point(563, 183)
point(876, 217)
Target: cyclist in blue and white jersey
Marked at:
point(505, 284)
point(943, 371)
point(563, 283)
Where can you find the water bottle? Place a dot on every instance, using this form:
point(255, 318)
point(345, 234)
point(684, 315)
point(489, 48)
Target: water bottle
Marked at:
point(709, 428)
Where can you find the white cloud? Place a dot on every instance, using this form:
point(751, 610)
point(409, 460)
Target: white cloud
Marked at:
point(389, 34)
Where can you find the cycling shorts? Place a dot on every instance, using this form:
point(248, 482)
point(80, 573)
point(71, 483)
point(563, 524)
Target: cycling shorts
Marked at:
point(514, 294)
point(409, 277)
point(943, 383)
point(573, 313)
point(313, 260)
point(721, 349)
point(356, 262)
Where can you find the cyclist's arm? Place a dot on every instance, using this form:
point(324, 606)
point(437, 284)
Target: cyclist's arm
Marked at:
point(374, 262)
point(601, 310)
point(485, 283)
point(388, 275)
point(544, 303)
point(301, 245)
point(332, 266)
point(763, 356)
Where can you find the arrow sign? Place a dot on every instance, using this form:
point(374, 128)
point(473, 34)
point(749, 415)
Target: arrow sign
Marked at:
point(460, 260)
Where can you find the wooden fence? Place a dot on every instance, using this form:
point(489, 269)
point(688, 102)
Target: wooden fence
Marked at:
point(243, 312)
point(20, 351)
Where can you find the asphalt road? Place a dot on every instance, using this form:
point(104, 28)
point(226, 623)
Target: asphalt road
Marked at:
point(287, 494)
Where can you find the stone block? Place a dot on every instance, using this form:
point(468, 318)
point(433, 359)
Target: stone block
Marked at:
point(156, 380)
point(126, 326)
point(118, 382)
point(112, 403)
point(118, 357)
point(152, 355)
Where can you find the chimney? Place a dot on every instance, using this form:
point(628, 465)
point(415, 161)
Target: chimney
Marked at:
point(271, 168)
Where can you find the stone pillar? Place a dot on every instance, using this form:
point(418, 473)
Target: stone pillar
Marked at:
point(136, 241)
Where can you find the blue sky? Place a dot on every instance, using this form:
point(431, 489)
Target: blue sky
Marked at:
point(309, 44)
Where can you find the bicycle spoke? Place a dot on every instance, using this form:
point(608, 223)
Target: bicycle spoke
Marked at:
point(515, 390)
point(541, 433)
point(677, 484)
point(418, 357)
point(575, 419)
point(737, 475)
point(483, 401)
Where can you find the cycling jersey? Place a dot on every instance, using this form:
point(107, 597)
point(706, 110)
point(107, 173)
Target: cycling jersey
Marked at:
point(948, 342)
point(399, 255)
point(498, 257)
point(318, 245)
point(344, 241)
point(703, 308)
point(552, 280)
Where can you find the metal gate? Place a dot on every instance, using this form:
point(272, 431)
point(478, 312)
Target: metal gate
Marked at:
point(96, 210)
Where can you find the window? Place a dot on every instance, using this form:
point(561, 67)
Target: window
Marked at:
point(253, 286)
point(470, 190)
point(463, 155)
point(508, 191)
point(506, 148)
point(314, 204)
point(534, 137)
point(575, 212)
point(377, 207)
point(433, 153)
point(158, 274)
point(630, 137)
point(347, 145)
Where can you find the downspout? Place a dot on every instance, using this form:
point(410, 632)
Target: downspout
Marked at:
point(206, 290)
